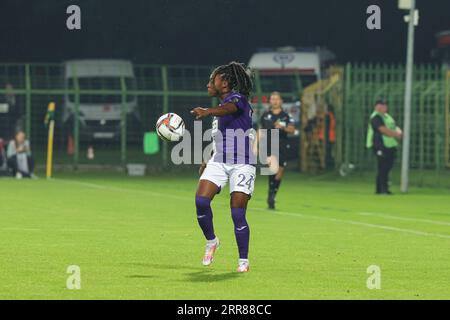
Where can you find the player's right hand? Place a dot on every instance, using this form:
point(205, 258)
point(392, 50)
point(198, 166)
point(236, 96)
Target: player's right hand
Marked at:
point(199, 112)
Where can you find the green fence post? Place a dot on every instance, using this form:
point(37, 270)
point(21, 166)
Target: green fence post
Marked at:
point(348, 76)
point(444, 123)
point(437, 135)
point(28, 101)
point(123, 119)
point(298, 83)
point(357, 114)
point(259, 104)
point(439, 121)
point(420, 126)
point(390, 80)
point(258, 91)
point(446, 80)
point(76, 120)
point(338, 111)
point(165, 86)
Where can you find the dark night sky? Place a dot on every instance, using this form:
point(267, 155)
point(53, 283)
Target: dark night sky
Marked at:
point(210, 31)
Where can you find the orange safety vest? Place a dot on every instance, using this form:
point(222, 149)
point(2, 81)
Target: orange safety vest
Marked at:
point(331, 128)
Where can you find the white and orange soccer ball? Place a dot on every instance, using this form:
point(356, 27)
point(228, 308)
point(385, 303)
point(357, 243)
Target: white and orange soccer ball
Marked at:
point(170, 127)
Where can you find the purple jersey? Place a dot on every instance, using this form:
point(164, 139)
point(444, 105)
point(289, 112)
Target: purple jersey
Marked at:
point(233, 134)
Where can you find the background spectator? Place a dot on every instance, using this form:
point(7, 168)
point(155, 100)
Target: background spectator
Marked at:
point(19, 156)
point(383, 137)
point(3, 167)
point(10, 113)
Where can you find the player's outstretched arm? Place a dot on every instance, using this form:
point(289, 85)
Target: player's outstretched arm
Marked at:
point(220, 111)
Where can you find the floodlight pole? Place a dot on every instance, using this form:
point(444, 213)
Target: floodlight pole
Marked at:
point(408, 91)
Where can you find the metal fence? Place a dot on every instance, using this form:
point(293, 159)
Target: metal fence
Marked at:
point(336, 111)
point(155, 90)
point(349, 93)
point(430, 140)
point(322, 123)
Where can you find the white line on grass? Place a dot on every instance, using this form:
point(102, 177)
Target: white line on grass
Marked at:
point(388, 216)
point(58, 230)
point(103, 187)
point(292, 214)
point(20, 229)
point(370, 225)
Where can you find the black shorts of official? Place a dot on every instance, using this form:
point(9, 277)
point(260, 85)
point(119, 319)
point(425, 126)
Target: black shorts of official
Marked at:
point(283, 155)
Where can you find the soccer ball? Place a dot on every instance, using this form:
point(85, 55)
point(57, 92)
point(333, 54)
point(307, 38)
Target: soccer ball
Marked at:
point(170, 127)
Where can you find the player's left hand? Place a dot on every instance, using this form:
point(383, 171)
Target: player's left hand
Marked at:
point(279, 126)
point(200, 112)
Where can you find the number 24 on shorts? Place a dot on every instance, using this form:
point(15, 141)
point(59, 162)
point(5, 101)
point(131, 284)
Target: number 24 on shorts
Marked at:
point(248, 183)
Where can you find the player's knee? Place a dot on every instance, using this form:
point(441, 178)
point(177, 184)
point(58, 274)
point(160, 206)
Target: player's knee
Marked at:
point(238, 204)
point(239, 200)
point(238, 216)
point(202, 202)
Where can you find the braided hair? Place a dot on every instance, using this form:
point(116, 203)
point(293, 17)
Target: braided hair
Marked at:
point(238, 76)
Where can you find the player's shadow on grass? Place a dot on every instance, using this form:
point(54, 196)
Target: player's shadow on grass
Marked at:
point(198, 274)
point(208, 276)
point(163, 266)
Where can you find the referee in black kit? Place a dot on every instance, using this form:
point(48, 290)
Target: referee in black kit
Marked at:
point(382, 137)
point(276, 118)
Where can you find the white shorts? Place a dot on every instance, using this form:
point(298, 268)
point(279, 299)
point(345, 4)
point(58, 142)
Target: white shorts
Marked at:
point(241, 176)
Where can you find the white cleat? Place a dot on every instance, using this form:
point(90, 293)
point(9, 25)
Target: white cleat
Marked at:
point(211, 247)
point(244, 265)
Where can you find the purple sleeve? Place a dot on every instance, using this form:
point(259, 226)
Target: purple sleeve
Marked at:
point(238, 100)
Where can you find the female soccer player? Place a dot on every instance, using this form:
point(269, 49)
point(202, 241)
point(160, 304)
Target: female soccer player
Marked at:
point(232, 159)
point(277, 119)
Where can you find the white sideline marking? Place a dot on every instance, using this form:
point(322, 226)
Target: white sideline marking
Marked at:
point(20, 229)
point(103, 187)
point(292, 214)
point(81, 230)
point(388, 216)
point(59, 230)
point(370, 225)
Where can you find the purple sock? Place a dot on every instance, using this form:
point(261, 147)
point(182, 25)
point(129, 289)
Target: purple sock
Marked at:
point(205, 217)
point(241, 231)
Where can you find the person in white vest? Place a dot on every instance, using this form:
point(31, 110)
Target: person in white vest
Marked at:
point(20, 160)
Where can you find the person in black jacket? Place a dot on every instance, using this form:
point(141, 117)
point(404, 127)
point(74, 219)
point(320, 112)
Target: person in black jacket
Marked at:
point(276, 119)
point(382, 137)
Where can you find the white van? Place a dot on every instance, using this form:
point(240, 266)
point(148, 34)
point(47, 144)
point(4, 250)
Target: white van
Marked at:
point(100, 114)
point(288, 69)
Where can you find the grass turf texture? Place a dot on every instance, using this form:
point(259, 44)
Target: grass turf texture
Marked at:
point(138, 238)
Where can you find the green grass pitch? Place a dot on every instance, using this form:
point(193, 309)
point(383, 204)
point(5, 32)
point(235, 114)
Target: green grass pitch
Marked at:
point(138, 238)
